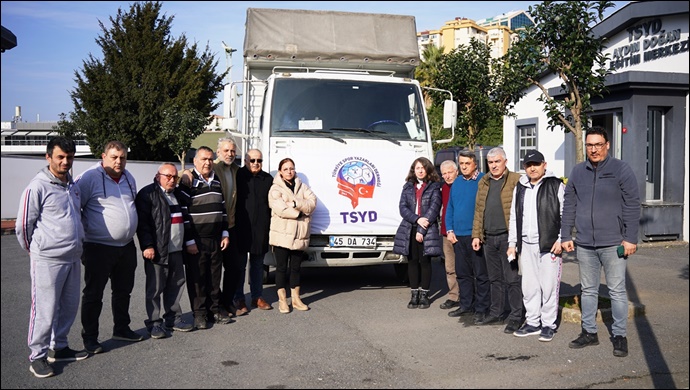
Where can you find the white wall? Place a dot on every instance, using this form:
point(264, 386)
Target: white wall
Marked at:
point(17, 172)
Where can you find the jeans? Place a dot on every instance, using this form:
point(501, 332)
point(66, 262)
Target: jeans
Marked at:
point(591, 260)
point(256, 276)
point(473, 278)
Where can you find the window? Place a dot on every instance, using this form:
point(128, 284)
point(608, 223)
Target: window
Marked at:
point(655, 130)
point(527, 140)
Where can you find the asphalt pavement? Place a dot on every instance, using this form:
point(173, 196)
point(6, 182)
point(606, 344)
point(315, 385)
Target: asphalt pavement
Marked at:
point(359, 334)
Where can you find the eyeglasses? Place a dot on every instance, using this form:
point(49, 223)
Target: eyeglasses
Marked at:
point(256, 160)
point(170, 177)
point(595, 146)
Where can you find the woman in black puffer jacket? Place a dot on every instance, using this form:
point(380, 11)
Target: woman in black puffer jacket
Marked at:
point(418, 235)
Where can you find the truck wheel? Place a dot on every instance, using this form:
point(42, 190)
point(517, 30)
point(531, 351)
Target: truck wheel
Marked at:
point(401, 272)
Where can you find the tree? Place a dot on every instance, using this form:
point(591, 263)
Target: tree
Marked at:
point(466, 72)
point(143, 72)
point(428, 69)
point(180, 127)
point(561, 43)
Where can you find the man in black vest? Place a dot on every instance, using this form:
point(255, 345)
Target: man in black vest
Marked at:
point(534, 233)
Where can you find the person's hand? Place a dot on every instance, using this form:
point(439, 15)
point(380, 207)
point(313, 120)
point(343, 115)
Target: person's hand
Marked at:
point(224, 243)
point(451, 238)
point(511, 253)
point(192, 249)
point(629, 248)
point(419, 237)
point(556, 249)
point(476, 244)
point(568, 246)
point(423, 222)
point(149, 253)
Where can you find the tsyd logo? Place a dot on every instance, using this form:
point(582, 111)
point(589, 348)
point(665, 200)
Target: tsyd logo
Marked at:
point(357, 178)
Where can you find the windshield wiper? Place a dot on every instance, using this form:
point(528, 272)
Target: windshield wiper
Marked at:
point(322, 133)
point(379, 134)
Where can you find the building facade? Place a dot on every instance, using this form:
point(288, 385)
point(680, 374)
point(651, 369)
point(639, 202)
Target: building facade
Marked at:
point(645, 112)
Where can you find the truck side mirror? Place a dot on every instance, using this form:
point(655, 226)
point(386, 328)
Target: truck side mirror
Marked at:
point(450, 114)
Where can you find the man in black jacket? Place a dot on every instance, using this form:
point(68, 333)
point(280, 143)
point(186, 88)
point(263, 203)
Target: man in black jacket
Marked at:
point(253, 218)
point(163, 230)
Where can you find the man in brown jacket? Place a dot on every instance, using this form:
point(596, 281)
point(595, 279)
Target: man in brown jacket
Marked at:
point(491, 215)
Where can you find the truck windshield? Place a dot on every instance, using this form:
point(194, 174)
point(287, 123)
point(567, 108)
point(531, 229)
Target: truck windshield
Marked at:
point(347, 109)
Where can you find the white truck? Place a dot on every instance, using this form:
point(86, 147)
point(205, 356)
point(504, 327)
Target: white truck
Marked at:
point(335, 92)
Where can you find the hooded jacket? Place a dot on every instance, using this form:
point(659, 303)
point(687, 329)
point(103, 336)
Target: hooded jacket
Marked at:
point(109, 215)
point(290, 225)
point(49, 219)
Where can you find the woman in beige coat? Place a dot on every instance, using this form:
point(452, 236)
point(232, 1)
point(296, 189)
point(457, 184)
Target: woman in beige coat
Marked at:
point(292, 203)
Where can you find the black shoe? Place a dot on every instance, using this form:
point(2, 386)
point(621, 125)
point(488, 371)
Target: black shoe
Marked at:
point(512, 326)
point(200, 322)
point(491, 320)
point(41, 369)
point(478, 318)
point(449, 304)
point(222, 318)
point(585, 339)
point(424, 299)
point(414, 299)
point(459, 312)
point(66, 354)
point(620, 346)
point(93, 346)
point(127, 335)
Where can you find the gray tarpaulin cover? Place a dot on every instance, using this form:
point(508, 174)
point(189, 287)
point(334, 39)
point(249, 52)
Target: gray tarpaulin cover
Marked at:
point(312, 37)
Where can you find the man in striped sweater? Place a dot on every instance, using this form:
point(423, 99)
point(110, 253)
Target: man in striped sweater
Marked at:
point(206, 207)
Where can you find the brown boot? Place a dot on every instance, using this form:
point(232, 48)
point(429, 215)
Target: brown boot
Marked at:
point(283, 306)
point(296, 302)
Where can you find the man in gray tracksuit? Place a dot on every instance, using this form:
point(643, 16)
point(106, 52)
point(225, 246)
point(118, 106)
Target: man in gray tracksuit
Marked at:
point(534, 234)
point(49, 227)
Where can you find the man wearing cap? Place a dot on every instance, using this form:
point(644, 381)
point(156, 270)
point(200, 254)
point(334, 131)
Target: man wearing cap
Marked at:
point(490, 231)
point(534, 232)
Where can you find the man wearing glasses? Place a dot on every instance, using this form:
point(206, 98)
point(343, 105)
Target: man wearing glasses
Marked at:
point(253, 216)
point(602, 202)
point(163, 229)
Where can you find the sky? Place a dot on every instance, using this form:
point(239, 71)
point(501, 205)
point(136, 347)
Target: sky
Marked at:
point(55, 37)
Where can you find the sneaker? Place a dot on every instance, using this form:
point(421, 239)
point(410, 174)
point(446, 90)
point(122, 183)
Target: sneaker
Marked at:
point(182, 326)
point(584, 339)
point(620, 346)
point(512, 326)
point(527, 330)
point(546, 334)
point(41, 369)
point(449, 304)
point(127, 335)
point(93, 346)
point(222, 318)
point(241, 307)
point(200, 322)
point(157, 332)
point(261, 304)
point(66, 354)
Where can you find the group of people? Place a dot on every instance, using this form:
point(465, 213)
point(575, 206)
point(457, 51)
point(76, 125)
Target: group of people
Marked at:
point(502, 235)
point(195, 229)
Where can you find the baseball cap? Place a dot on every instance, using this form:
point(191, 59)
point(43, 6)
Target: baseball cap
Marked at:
point(533, 156)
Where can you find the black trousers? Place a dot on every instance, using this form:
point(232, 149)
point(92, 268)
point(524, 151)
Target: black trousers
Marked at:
point(418, 265)
point(234, 264)
point(103, 263)
point(204, 272)
point(287, 258)
point(473, 278)
point(504, 278)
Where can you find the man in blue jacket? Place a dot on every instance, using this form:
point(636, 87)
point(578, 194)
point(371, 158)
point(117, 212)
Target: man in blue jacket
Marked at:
point(602, 202)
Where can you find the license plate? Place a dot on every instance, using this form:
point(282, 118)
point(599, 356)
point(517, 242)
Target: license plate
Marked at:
point(352, 241)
